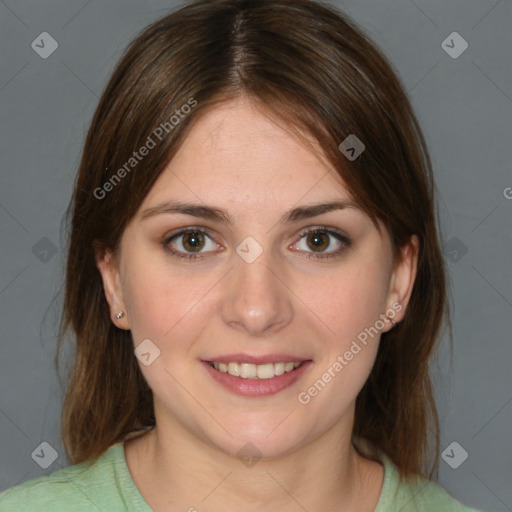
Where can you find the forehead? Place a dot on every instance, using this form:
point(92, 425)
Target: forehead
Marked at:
point(235, 151)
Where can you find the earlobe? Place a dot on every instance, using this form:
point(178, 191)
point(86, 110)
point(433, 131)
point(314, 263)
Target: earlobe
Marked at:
point(109, 271)
point(403, 278)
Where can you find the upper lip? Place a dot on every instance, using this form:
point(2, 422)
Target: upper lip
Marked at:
point(247, 358)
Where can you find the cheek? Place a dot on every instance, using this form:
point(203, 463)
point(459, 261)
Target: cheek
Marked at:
point(347, 306)
point(348, 301)
point(348, 343)
point(160, 301)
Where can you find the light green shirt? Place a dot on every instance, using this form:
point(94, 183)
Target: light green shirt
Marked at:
point(105, 485)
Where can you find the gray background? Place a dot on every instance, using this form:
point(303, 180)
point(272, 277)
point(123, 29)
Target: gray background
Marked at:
point(464, 106)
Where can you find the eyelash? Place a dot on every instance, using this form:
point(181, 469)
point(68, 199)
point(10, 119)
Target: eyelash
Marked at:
point(338, 235)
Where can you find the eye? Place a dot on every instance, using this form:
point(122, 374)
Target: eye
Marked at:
point(189, 243)
point(320, 239)
point(192, 243)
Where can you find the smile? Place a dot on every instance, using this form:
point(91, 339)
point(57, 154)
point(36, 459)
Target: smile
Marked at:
point(256, 380)
point(255, 371)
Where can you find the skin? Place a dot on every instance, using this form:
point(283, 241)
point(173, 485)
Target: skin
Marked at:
point(237, 159)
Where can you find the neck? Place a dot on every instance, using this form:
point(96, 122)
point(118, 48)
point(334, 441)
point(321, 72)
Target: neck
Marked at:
point(176, 470)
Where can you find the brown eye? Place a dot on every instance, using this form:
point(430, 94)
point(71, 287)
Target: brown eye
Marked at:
point(193, 241)
point(318, 241)
point(322, 243)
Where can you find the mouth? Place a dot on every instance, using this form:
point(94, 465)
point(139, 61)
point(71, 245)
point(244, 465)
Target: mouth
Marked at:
point(255, 371)
point(259, 378)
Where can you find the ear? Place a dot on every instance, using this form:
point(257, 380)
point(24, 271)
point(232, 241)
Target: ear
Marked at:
point(402, 280)
point(108, 267)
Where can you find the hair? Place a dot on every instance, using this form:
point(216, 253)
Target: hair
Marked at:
point(314, 70)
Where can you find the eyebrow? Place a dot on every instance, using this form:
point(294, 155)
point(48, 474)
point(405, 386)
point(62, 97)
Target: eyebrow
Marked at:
point(219, 215)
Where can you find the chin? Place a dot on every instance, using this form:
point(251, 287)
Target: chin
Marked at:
point(264, 439)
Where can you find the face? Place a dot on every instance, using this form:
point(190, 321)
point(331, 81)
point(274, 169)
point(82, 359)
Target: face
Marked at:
point(230, 301)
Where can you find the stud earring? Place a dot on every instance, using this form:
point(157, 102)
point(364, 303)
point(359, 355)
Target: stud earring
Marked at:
point(120, 315)
point(393, 323)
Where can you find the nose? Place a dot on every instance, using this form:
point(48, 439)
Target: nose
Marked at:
point(257, 300)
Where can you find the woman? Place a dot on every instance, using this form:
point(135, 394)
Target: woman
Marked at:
point(254, 277)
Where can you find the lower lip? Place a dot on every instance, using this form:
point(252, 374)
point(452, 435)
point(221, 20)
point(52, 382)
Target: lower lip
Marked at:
point(257, 387)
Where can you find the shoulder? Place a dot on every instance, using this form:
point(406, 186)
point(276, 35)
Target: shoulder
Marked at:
point(415, 495)
point(426, 496)
point(90, 485)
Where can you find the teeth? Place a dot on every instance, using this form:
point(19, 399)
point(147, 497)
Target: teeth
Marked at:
point(256, 371)
point(248, 371)
point(234, 369)
point(265, 371)
point(279, 368)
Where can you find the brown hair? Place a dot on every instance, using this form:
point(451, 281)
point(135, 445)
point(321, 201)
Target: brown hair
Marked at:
point(312, 68)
